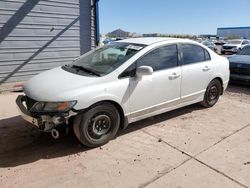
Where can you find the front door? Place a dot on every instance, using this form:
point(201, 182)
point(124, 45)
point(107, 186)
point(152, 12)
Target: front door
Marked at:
point(160, 90)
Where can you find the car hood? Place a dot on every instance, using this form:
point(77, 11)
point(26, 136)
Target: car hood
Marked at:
point(231, 45)
point(56, 85)
point(243, 59)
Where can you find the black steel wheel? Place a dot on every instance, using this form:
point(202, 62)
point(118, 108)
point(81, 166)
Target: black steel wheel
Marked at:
point(98, 125)
point(212, 94)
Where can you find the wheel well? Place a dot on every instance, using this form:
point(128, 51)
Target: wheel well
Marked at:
point(221, 82)
point(123, 119)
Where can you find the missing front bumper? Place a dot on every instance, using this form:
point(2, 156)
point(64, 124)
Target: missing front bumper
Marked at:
point(44, 122)
point(25, 114)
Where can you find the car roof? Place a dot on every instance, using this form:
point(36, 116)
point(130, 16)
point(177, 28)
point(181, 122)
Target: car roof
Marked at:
point(151, 40)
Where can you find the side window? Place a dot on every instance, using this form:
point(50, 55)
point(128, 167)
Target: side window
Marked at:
point(207, 55)
point(160, 58)
point(129, 72)
point(245, 42)
point(192, 54)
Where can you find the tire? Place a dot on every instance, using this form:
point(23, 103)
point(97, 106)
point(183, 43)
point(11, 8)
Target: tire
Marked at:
point(212, 94)
point(98, 125)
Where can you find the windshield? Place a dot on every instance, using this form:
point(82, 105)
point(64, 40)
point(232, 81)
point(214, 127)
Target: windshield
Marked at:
point(207, 43)
point(234, 42)
point(245, 51)
point(104, 60)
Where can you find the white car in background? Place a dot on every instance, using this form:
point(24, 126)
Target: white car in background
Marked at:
point(123, 82)
point(210, 45)
point(234, 46)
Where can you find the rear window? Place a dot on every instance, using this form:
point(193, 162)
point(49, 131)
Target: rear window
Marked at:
point(245, 51)
point(193, 54)
point(207, 55)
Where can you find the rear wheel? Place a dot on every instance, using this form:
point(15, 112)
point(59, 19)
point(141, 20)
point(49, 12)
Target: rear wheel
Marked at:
point(98, 125)
point(212, 94)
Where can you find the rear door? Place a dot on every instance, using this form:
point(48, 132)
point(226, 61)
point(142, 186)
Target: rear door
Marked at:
point(197, 71)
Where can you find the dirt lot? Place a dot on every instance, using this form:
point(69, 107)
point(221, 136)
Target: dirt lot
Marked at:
point(189, 147)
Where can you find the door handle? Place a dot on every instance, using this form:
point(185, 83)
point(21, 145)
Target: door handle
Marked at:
point(206, 68)
point(174, 76)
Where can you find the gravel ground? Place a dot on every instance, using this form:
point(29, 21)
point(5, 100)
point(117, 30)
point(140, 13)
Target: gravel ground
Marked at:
point(240, 93)
point(188, 147)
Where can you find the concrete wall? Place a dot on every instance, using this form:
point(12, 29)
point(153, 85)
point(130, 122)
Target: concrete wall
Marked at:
point(37, 35)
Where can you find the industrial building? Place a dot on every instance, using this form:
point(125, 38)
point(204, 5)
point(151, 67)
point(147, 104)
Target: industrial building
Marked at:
point(151, 35)
point(37, 35)
point(234, 32)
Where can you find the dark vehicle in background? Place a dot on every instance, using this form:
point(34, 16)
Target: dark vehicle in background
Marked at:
point(210, 45)
point(234, 46)
point(240, 66)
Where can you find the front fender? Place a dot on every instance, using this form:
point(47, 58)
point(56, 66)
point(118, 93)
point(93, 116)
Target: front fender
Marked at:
point(86, 102)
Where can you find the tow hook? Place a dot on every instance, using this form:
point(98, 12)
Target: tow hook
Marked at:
point(55, 134)
point(59, 132)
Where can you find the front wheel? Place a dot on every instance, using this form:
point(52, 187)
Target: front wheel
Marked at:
point(212, 94)
point(98, 125)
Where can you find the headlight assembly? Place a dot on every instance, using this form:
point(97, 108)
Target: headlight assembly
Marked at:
point(53, 106)
point(235, 49)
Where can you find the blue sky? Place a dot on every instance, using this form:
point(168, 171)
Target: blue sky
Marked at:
point(173, 16)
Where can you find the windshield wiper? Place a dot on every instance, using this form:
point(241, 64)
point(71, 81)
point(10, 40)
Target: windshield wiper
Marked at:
point(86, 70)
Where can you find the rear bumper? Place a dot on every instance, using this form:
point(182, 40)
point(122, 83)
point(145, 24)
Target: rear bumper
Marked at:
point(26, 115)
point(236, 78)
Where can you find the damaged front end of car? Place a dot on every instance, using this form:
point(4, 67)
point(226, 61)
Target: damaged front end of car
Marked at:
point(47, 116)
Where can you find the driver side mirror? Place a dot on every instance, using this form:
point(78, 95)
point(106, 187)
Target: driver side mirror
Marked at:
point(144, 71)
